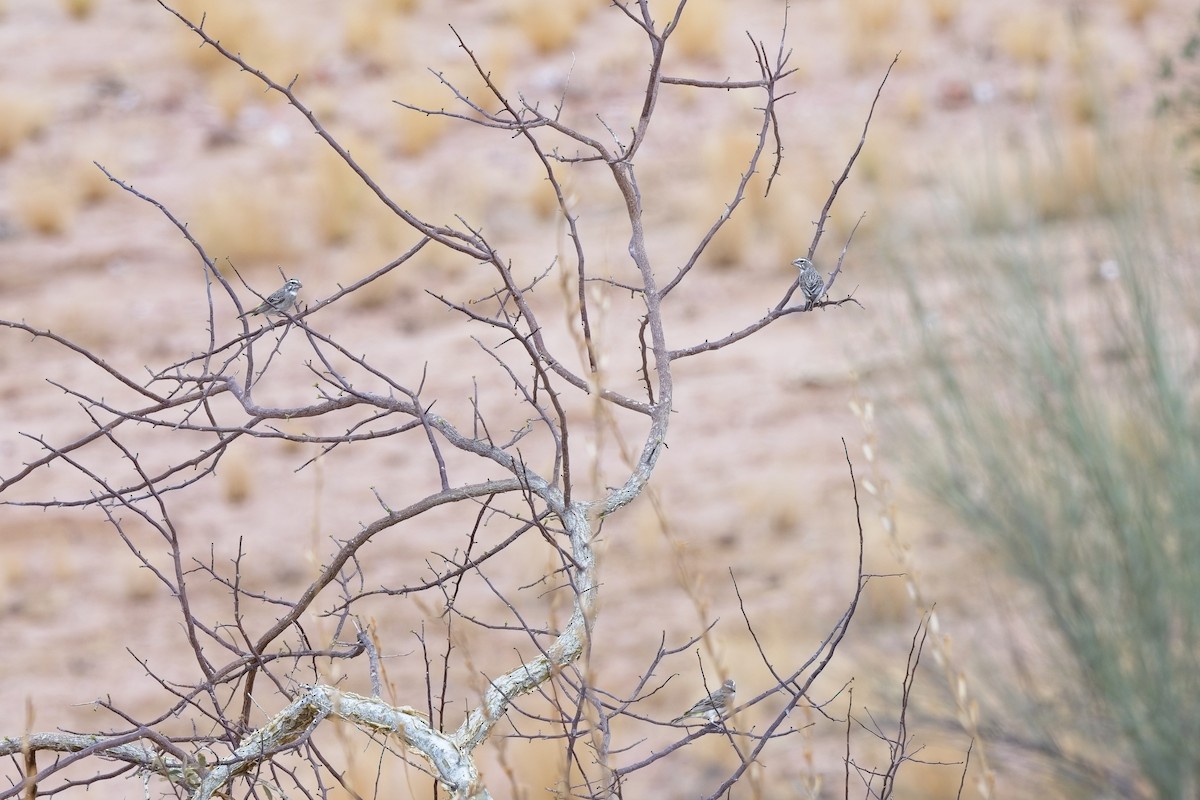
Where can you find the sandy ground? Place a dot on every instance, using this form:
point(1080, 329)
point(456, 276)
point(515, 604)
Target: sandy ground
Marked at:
point(754, 480)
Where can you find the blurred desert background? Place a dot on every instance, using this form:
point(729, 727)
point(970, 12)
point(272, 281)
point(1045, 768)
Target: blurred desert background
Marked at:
point(1037, 126)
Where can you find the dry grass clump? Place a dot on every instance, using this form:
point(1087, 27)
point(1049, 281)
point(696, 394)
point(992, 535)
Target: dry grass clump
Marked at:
point(402, 6)
point(540, 197)
point(771, 506)
point(701, 29)
point(943, 12)
point(726, 155)
point(1136, 11)
point(885, 601)
point(44, 200)
point(935, 774)
point(47, 194)
point(870, 31)
point(730, 248)
point(990, 204)
point(1083, 103)
point(23, 115)
point(362, 29)
point(340, 197)
point(496, 59)
point(78, 9)
point(534, 768)
point(1065, 179)
point(230, 91)
point(367, 767)
point(228, 21)
point(878, 497)
point(871, 17)
point(77, 318)
point(1030, 36)
point(1029, 86)
point(371, 30)
point(548, 25)
point(237, 475)
point(417, 131)
point(91, 184)
point(245, 226)
point(1073, 179)
point(138, 584)
point(790, 215)
point(880, 163)
point(242, 29)
point(912, 104)
point(355, 264)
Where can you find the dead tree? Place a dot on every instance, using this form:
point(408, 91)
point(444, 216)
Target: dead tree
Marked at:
point(524, 478)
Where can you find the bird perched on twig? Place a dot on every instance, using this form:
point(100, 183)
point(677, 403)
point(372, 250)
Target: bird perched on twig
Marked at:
point(714, 706)
point(811, 282)
point(278, 301)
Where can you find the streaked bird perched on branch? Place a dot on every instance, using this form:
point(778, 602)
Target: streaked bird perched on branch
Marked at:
point(714, 706)
point(811, 282)
point(279, 300)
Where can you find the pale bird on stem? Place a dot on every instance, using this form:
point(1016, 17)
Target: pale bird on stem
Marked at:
point(811, 282)
point(279, 300)
point(714, 706)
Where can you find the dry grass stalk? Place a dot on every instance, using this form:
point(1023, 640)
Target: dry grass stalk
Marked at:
point(967, 708)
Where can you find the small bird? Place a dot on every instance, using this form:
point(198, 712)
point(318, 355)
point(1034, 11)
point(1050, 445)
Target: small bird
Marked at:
point(811, 282)
point(713, 707)
point(279, 300)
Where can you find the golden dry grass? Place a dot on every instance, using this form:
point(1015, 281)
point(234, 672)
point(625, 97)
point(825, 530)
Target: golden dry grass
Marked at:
point(988, 194)
point(1082, 104)
point(934, 775)
point(372, 30)
point(885, 601)
point(1136, 11)
point(368, 768)
point(228, 21)
point(1029, 86)
point(78, 9)
point(416, 132)
point(1030, 36)
point(547, 27)
point(247, 227)
point(25, 114)
point(726, 153)
point(356, 263)
point(137, 584)
point(496, 59)
point(242, 29)
point(873, 32)
point(78, 319)
point(701, 30)
point(237, 475)
point(535, 768)
point(44, 199)
point(540, 197)
point(92, 184)
point(401, 6)
point(730, 248)
point(340, 198)
point(230, 91)
point(943, 12)
point(880, 163)
point(794, 206)
point(871, 17)
point(362, 29)
point(1071, 179)
point(912, 104)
